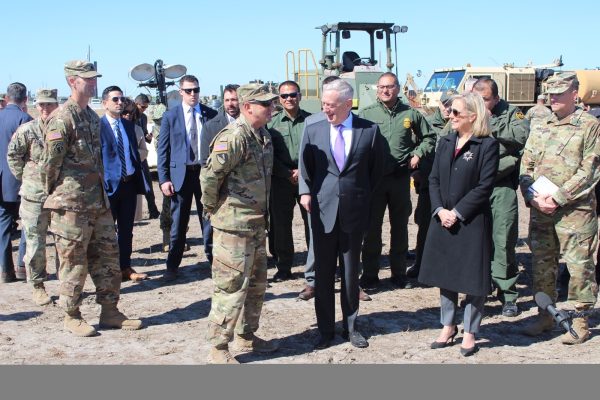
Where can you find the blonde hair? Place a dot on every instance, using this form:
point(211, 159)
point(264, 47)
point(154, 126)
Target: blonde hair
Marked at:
point(475, 106)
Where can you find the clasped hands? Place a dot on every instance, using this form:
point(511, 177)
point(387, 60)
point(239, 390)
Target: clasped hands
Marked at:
point(447, 218)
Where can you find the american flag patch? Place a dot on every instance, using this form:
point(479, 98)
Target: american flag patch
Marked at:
point(221, 146)
point(53, 135)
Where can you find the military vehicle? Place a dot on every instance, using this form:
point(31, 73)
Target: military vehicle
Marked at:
point(341, 59)
point(519, 86)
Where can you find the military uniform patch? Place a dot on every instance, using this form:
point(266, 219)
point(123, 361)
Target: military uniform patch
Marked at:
point(519, 115)
point(220, 146)
point(407, 123)
point(57, 148)
point(54, 135)
point(221, 157)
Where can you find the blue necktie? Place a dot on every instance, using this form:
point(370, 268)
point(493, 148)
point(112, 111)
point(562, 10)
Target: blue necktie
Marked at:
point(121, 149)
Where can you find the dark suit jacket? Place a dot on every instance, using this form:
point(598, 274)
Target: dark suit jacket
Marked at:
point(10, 119)
point(344, 193)
point(209, 131)
point(111, 160)
point(172, 144)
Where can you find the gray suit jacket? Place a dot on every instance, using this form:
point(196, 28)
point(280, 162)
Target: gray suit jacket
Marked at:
point(345, 193)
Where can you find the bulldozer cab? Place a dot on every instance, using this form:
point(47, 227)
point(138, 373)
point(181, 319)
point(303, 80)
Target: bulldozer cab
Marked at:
point(348, 50)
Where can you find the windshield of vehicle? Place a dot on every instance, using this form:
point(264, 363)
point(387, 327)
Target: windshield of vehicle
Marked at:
point(442, 81)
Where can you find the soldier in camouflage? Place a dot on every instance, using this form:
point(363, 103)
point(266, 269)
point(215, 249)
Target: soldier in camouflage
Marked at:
point(539, 112)
point(235, 194)
point(565, 150)
point(24, 160)
point(80, 216)
point(510, 129)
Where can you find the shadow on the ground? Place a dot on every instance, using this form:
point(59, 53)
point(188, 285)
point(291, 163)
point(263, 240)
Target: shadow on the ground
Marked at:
point(192, 312)
point(20, 316)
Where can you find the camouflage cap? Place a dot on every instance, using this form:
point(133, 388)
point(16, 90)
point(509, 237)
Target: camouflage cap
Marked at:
point(560, 83)
point(46, 96)
point(447, 95)
point(82, 68)
point(541, 97)
point(255, 92)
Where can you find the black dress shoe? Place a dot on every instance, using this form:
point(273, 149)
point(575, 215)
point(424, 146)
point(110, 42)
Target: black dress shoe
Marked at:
point(470, 351)
point(356, 339)
point(412, 271)
point(510, 309)
point(401, 282)
point(170, 275)
point(369, 282)
point(324, 342)
point(281, 276)
point(448, 342)
point(154, 214)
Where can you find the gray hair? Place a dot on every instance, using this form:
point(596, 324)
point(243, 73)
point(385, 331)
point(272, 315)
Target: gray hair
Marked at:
point(344, 89)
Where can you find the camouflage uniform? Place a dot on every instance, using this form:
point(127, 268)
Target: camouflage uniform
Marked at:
point(566, 152)
point(235, 193)
point(24, 157)
point(155, 114)
point(537, 114)
point(80, 211)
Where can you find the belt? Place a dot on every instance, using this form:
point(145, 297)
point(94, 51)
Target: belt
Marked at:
point(193, 167)
point(127, 178)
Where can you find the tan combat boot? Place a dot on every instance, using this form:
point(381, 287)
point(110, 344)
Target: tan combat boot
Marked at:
point(542, 323)
point(39, 295)
point(250, 342)
point(166, 240)
point(75, 324)
point(580, 326)
point(112, 318)
point(221, 355)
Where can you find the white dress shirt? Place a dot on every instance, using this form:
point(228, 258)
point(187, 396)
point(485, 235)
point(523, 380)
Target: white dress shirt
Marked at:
point(346, 133)
point(187, 113)
point(128, 163)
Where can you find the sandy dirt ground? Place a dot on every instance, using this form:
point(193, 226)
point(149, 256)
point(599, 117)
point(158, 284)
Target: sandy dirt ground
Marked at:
point(399, 323)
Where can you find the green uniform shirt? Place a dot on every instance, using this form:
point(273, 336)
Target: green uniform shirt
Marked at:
point(287, 135)
point(440, 126)
point(511, 129)
point(567, 153)
point(237, 178)
point(73, 160)
point(405, 130)
point(24, 157)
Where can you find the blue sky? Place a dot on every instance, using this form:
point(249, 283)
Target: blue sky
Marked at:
point(238, 41)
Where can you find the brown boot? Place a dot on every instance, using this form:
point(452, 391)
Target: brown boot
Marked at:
point(39, 295)
point(75, 324)
point(221, 355)
point(166, 240)
point(581, 327)
point(130, 274)
point(251, 342)
point(541, 324)
point(112, 318)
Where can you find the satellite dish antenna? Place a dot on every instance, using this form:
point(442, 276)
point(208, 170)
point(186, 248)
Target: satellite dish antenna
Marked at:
point(142, 72)
point(175, 71)
point(173, 98)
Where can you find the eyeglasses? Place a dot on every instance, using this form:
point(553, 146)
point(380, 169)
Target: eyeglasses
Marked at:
point(190, 90)
point(268, 103)
point(117, 98)
point(454, 112)
point(388, 87)
point(143, 106)
point(286, 95)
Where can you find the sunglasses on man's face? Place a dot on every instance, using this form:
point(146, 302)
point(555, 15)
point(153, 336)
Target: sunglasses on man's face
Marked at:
point(117, 98)
point(190, 90)
point(286, 95)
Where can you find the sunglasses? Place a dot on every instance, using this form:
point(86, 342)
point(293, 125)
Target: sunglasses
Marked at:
point(388, 87)
point(117, 98)
point(190, 90)
point(262, 103)
point(286, 95)
point(454, 112)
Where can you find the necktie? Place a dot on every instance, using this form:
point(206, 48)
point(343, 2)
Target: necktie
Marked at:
point(193, 136)
point(339, 149)
point(121, 149)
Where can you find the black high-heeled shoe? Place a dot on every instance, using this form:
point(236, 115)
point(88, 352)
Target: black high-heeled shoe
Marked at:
point(466, 352)
point(448, 342)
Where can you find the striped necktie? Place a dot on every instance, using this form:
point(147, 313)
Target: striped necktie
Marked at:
point(193, 136)
point(121, 149)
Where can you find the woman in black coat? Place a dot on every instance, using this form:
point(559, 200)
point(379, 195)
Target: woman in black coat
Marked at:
point(458, 249)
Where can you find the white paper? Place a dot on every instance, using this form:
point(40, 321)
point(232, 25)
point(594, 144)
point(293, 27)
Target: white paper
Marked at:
point(543, 185)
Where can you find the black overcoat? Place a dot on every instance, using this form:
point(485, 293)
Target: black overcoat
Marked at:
point(459, 258)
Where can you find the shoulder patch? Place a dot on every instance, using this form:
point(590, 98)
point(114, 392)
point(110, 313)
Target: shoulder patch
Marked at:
point(519, 115)
point(221, 158)
point(407, 123)
point(220, 147)
point(53, 135)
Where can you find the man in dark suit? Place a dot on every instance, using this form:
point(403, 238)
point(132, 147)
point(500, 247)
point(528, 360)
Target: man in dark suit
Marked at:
point(178, 156)
point(11, 117)
point(341, 163)
point(122, 178)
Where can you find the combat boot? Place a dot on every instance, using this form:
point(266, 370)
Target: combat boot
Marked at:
point(542, 323)
point(40, 297)
point(581, 327)
point(166, 240)
point(221, 355)
point(112, 318)
point(250, 342)
point(75, 324)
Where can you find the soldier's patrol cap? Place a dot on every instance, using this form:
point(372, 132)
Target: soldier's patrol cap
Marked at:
point(255, 92)
point(81, 68)
point(447, 95)
point(560, 83)
point(541, 97)
point(46, 96)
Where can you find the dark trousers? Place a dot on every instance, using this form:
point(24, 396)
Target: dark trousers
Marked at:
point(9, 211)
point(181, 205)
point(122, 207)
point(150, 199)
point(329, 247)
